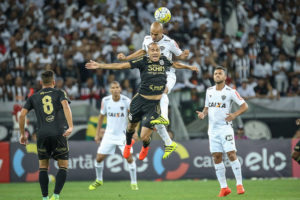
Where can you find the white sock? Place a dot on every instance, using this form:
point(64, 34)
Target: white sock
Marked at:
point(236, 168)
point(163, 133)
point(220, 172)
point(99, 170)
point(164, 103)
point(132, 172)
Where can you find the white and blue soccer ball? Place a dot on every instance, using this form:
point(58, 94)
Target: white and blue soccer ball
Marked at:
point(162, 15)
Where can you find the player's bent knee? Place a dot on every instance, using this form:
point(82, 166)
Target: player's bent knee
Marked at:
point(130, 159)
point(217, 157)
point(100, 157)
point(232, 155)
point(63, 163)
point(131, 126)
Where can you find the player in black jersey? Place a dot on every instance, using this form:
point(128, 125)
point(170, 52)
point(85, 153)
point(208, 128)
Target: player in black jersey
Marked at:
point(144, 106)
point(54, 124)
point(296, 152)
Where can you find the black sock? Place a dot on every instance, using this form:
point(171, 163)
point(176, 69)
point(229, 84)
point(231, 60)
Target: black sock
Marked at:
point(44, 181)
point(60, 179)
point(129, 135)
point(146, 143)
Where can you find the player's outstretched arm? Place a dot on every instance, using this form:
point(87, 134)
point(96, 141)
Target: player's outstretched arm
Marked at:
point(232, 116)
point(185, 54)
point(178, 65)
point(132, 56)
point(201, 115)
point(23, 138)
point(94, 65)
point(68, 115)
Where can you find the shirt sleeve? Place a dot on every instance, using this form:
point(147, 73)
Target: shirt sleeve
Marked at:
point(63, 96)
point(168, 63)
point(138, 63)
point(28, 105)
point(237, 98)
point(175, 48)
point(128, 103)
point(145, 46)
point(103, 107)
point(206, 99)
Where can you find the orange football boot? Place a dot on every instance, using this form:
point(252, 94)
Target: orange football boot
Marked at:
point(240, 189)
point(224, 192)
point(127, 149)
point(143, 153)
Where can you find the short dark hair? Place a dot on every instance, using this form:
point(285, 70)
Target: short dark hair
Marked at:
point(47, 77)
point(221, 68)
point(115, 83)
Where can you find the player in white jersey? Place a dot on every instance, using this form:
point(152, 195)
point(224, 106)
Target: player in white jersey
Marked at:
point(115, 107)
point(221, 137)
point(168, 47)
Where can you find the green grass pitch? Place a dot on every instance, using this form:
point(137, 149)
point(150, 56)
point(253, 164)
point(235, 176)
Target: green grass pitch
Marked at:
point(278, 189)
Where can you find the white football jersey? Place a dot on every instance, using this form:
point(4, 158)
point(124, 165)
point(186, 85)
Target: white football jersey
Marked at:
point(219, 105)
point(116, 113)
point(167, 47)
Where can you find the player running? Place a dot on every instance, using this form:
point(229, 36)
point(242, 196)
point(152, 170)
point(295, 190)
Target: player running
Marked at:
point(221, 137)
point(296, 152)
point(144, 106)
point(52, 111)
point(168, 47)
point(115, 107)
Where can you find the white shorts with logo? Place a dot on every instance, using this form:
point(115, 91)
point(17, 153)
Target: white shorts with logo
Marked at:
point(222, 140)
point(171, 80)
point(108, 147)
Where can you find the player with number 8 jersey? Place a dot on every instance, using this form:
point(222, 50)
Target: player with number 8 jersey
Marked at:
point(54, 124)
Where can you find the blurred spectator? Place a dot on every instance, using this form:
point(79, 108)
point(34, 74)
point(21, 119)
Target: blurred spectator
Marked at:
point(60, 83)
point(245, 90)
point(263, 89)
point(281, 68)
point(19, 91)
point(71, 88)
point(90, 92)
point(126, 89)
point(294, 88)
point(296, 65)
point(262, 69)
point(241, 64)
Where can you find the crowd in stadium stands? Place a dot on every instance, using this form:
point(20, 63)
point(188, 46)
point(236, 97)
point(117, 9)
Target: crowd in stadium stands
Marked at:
point(262, 58)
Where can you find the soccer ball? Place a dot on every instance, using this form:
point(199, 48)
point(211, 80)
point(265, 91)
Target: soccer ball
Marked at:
point(162, 15)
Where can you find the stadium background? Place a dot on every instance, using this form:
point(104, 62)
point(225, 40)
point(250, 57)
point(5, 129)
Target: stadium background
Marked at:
point(252, 39)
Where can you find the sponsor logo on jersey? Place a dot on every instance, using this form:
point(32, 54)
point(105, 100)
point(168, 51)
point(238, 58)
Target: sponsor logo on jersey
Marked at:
point(156, 87)
point(156, 68)
point(161, 62)
point(122, 107)
point(217, 105)
point(162, 48)
point(223, 97)
point(42, 93)
point(115, 114)
point(50, 118)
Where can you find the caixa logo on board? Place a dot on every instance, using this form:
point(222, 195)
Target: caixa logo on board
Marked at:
point(17, 163)
point(171, 174)
point(256, 161)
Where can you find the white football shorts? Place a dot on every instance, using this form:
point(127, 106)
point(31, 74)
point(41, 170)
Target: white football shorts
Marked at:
point(222, 140)
point(107, 148)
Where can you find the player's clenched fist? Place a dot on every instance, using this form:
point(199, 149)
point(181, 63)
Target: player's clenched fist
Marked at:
point(200, 115)
point(121, 57)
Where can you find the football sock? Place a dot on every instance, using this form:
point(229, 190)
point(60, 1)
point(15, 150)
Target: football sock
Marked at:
point(132, 172)
point(164, 103)
point(129, 137)
point(163, 133)
point(220, 172)
point(44, 181)
point(146, 143)
point(60, 180)
point(99, 170)
point(236, 168)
